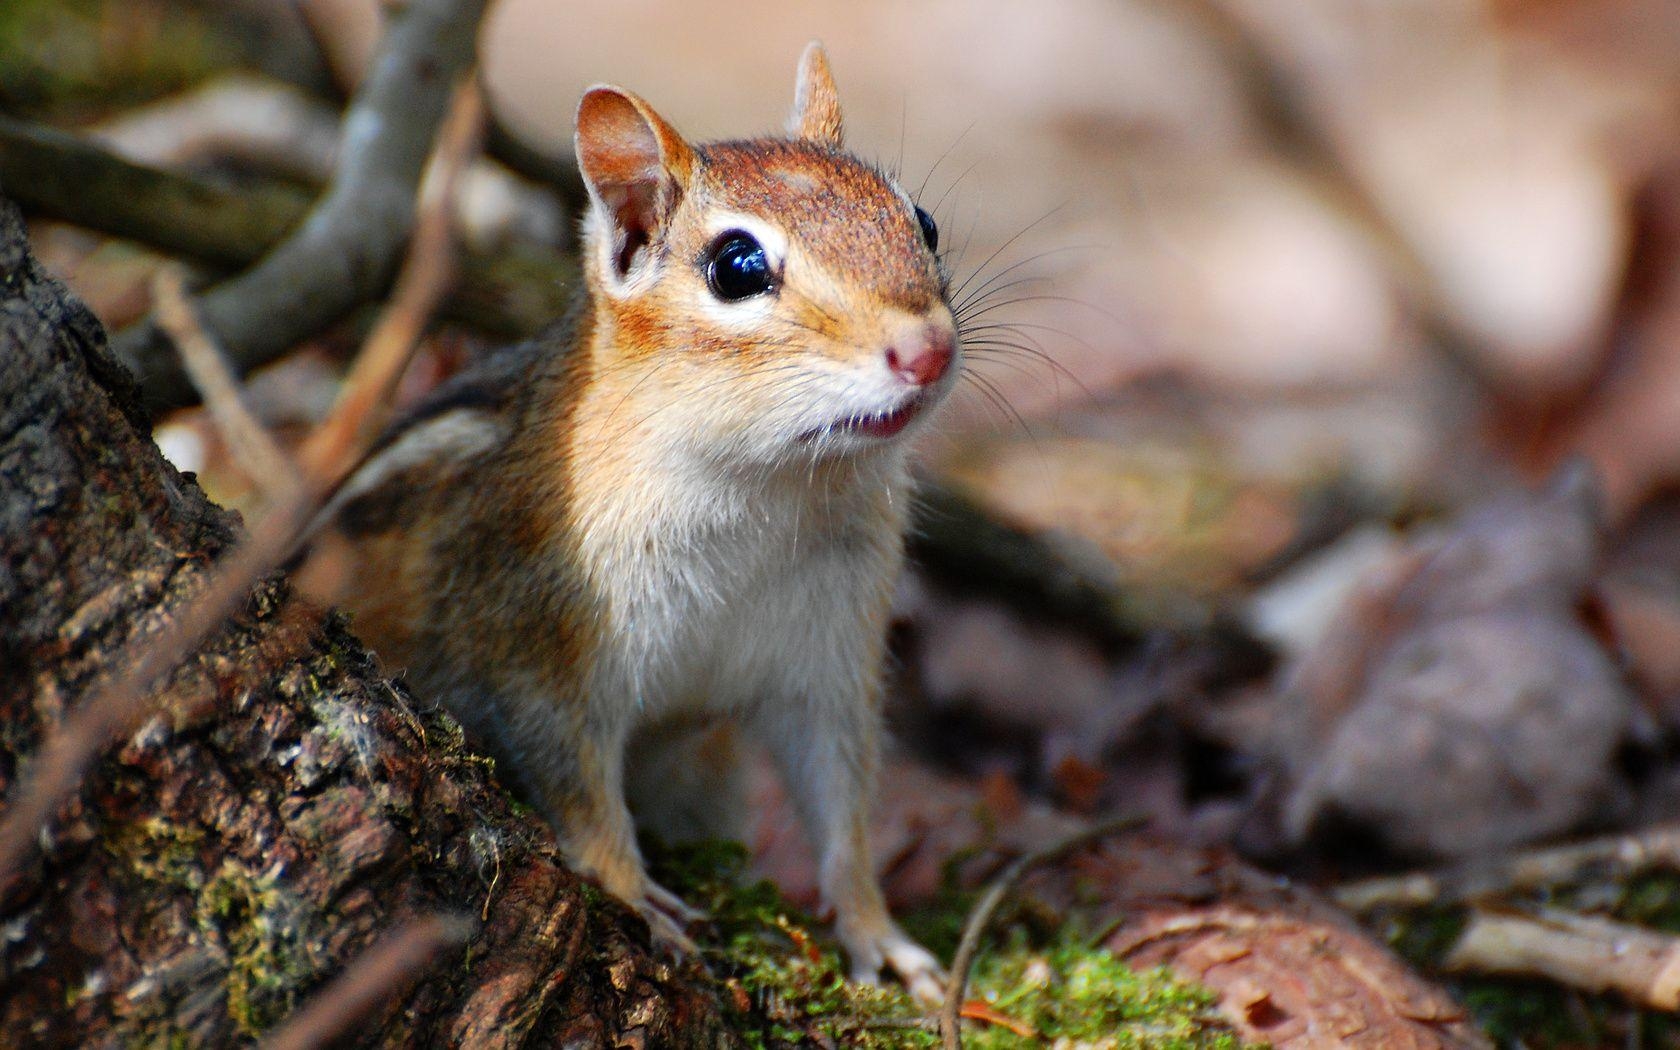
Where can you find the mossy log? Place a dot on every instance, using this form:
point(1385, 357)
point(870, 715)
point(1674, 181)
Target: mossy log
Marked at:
point(285, 807)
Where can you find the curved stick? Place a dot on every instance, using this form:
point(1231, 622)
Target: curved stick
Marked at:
point(950, 1016)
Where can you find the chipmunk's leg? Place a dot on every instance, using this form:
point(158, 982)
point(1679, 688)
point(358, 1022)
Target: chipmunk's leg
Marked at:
point(584, 790)
point(829, 752)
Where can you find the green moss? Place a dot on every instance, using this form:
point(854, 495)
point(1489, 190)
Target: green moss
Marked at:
point(257, 925)
point(1529, 1013)
point(167, 1037)
point(162, 854)
point(1423, 935)
point(1074, 995)
point(786, 984)
point(269, 957)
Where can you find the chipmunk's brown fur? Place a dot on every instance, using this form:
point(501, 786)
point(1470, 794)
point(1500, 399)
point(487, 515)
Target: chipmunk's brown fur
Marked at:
point(682, 508)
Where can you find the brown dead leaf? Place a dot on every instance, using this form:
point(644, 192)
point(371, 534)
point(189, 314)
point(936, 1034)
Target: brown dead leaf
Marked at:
point(1461, 704)
point(1079, 784)
point(980, 1010)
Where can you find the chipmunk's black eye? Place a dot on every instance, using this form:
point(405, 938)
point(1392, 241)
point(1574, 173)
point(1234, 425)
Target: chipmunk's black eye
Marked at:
point(930, 232)
point(738, 268)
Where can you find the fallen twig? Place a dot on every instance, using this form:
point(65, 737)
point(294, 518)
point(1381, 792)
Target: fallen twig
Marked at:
point(1608, 857)
point(250, 442)
point(1592, 954)
point(950, 1018)
point(376, 974)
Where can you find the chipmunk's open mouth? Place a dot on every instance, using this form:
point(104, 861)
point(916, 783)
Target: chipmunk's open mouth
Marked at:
point(875, 425)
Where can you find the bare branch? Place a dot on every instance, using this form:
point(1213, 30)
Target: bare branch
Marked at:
point(356, 417)
point(253, 447)
point(1610, 857)
point(271, 126)
point(1591, 954)
point(347, 248)
point(71, 177)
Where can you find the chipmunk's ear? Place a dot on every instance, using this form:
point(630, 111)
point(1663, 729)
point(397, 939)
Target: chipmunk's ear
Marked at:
point(635, 165)
point(816, 105)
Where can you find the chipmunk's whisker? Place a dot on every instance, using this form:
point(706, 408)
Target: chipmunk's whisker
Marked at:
point(917, 196)
point(976, 294)
point(980, 301)
point(958, 181)
point(993, 394)
point(995, 354)
point(1001, 349)
point(1022, 232)
point(1021, 330)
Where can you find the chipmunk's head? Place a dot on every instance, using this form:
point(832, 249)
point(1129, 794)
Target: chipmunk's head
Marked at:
point(774, 298)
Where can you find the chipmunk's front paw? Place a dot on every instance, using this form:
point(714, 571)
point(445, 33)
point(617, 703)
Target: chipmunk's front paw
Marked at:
point(668, 918)
point(673, 905)
point(910, 962)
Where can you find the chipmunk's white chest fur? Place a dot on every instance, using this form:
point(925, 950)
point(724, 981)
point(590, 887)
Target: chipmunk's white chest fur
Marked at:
point(721, 591)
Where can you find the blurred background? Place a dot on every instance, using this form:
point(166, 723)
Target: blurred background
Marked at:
point(1338, 342)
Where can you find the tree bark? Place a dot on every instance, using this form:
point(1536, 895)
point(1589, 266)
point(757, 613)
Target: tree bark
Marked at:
point(285, 807)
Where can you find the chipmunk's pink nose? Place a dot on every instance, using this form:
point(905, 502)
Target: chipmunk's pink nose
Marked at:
point(923, 358)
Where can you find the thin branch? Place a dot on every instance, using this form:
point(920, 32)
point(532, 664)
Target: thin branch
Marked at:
point(950, 1017)
point(1592, 954)
point(356, 417)
point(1610, 857)
point(348, 247)
point(556, 171)
point(250, 442)
point(377, 974)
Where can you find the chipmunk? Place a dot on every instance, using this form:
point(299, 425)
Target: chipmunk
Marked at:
point(685, 504)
